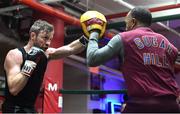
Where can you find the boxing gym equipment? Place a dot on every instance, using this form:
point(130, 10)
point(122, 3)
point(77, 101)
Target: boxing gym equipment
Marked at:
point(54, 75)
point(89, 92)
point(93, 20)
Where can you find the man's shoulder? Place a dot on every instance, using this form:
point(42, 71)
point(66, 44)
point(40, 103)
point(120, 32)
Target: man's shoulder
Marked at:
point(13, 58)
point(14, 53)
point(127, 33)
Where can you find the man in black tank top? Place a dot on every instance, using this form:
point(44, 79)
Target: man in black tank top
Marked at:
point(25, 67)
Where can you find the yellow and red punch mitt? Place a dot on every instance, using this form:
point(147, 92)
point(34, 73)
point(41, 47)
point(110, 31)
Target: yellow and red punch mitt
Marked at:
point(93, 20)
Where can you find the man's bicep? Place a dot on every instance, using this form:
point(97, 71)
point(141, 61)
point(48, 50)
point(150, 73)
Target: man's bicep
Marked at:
point(118, 47)
point(12, 64)
point(113, 48)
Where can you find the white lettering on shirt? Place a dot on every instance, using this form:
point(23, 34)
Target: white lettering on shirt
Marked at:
point(152, 58)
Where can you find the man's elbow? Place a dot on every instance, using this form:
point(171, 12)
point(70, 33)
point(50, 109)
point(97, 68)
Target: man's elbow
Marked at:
point(91, 63)
point(13, 91)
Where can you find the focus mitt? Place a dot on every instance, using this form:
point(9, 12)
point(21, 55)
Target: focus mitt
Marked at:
point(93, 20)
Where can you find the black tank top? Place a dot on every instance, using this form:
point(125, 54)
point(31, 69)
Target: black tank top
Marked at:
point(27, 96)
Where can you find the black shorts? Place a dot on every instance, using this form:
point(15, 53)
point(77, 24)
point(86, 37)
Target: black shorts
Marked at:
point(9, 108)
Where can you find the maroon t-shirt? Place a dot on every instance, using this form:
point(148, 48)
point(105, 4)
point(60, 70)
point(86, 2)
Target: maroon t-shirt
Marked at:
point(148, 63)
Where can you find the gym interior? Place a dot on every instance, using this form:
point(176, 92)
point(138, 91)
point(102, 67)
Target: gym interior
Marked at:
point(70, 86)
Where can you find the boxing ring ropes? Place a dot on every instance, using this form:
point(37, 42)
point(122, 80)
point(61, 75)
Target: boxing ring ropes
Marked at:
point(93, 91)
point(75, 21)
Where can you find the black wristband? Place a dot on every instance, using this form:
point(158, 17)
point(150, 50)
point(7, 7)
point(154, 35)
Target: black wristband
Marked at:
point(83, 40)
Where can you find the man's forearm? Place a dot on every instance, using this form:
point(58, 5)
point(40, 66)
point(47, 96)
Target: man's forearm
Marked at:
point(76, 46)
point(16, 83)
point(92, 47)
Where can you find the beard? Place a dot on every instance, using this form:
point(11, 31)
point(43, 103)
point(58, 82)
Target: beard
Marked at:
point(38, 46)
point(45, 48)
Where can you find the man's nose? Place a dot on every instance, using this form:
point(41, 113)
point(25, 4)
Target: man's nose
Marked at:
point(48, 43)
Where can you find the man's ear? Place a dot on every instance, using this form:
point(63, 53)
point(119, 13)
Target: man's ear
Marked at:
point(32, 35)
point(134, 22)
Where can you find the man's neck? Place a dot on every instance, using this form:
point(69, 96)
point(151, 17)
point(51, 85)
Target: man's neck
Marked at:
point(28, 46)
point(139, 25)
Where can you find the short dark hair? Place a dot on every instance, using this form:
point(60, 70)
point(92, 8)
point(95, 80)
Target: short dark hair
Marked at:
point(41, 25)
point(142, 15)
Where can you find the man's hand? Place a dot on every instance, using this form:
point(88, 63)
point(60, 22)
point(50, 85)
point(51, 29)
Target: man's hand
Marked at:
point(33, 57)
